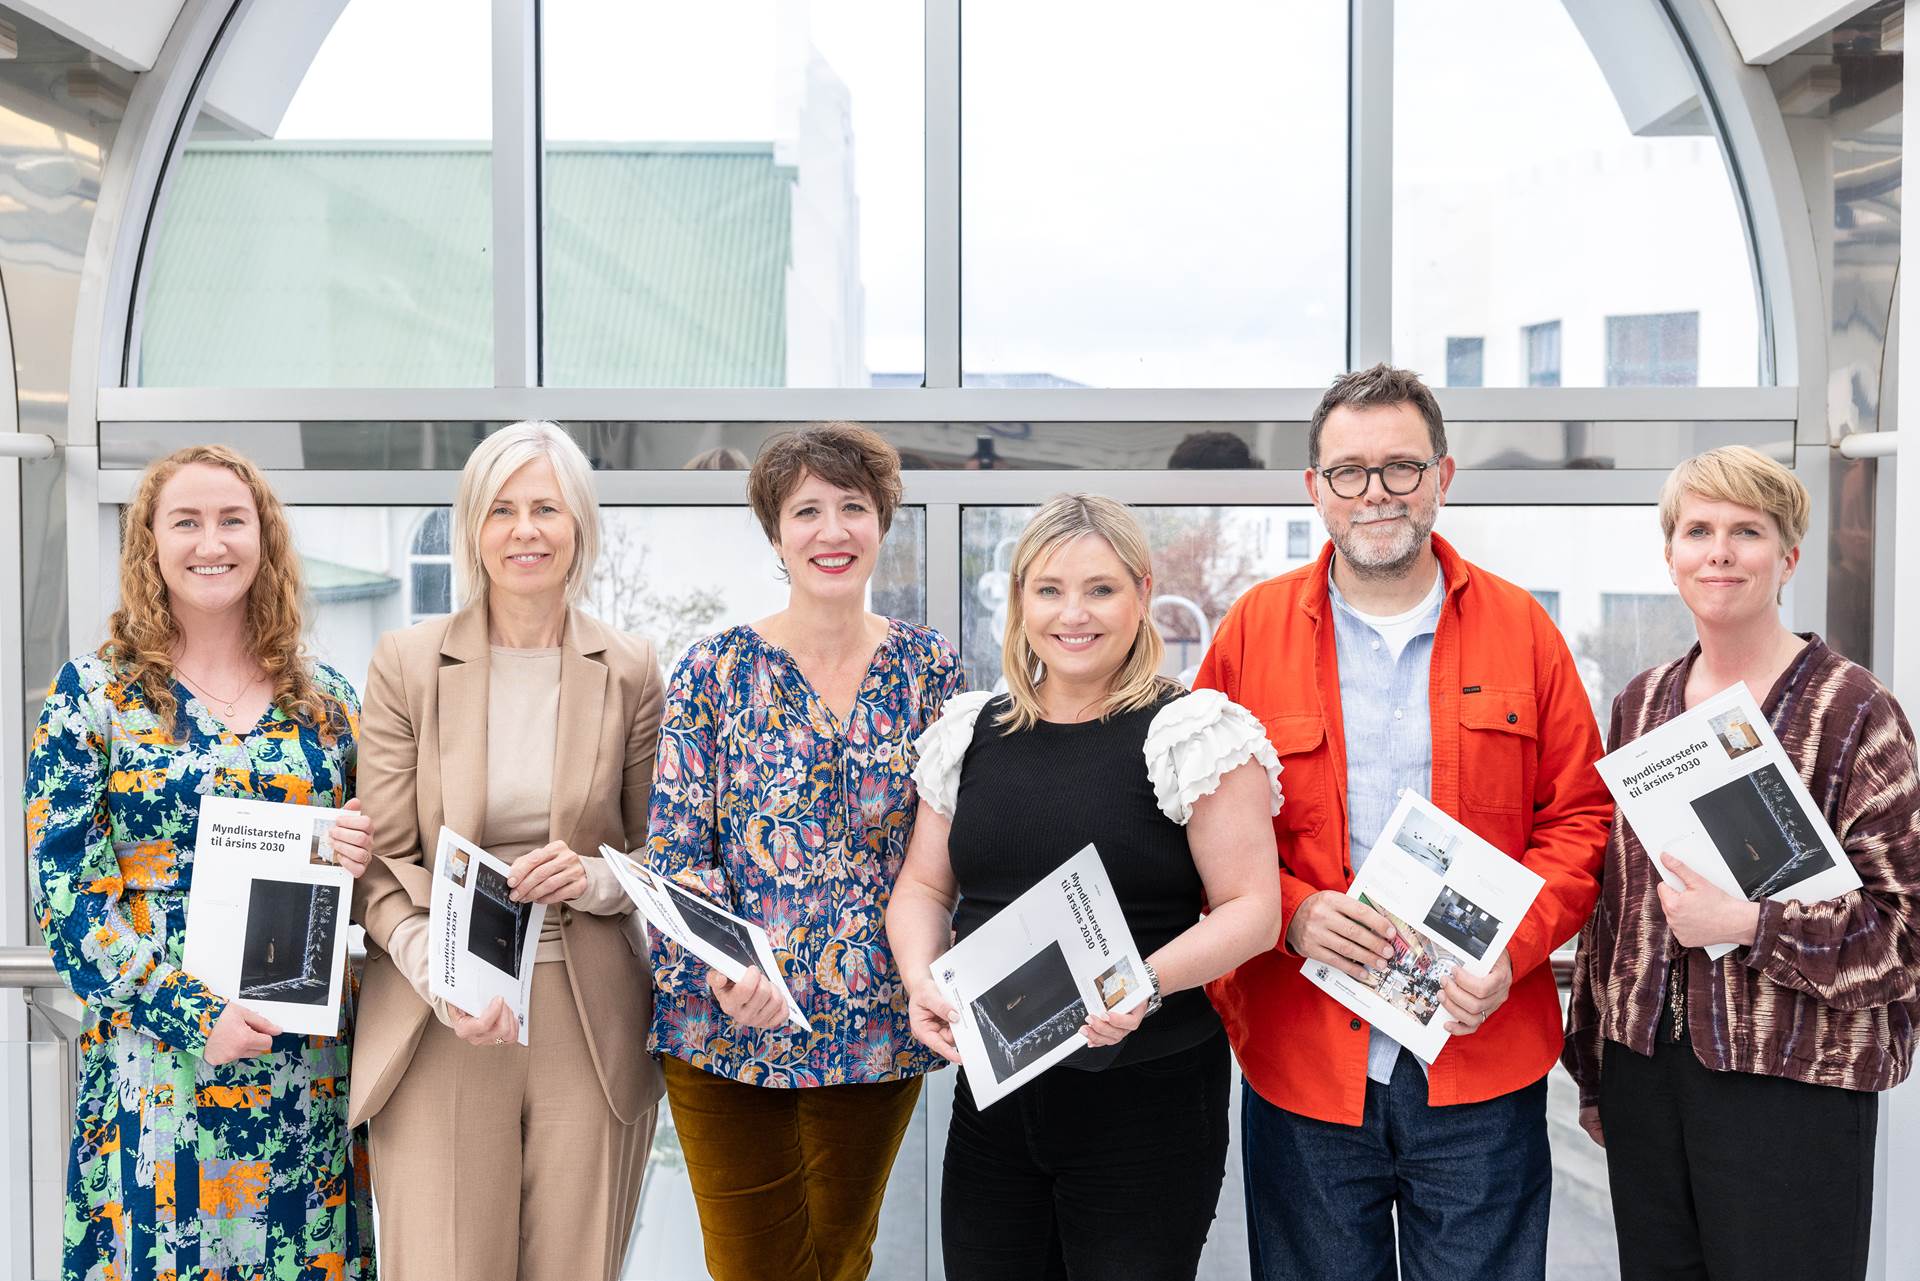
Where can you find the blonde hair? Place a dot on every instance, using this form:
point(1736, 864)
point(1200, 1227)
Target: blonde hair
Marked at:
point(487, 472)
point(1746, 477)
point(1067, 518)
point(142, 633)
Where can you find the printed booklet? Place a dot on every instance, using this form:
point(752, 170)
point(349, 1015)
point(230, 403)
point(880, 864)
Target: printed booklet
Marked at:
point(267, 919)
point(480, 943)
point(1452, 900)
point(731, 944)
point(1026, 981)
point(1714, 788)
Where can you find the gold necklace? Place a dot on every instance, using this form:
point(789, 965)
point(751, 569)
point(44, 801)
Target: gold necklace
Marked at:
point(204, 692)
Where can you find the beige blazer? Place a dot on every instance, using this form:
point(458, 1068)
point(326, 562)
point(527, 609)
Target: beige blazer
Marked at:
point(423, 762)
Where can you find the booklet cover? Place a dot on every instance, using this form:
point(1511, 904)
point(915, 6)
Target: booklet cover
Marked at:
point(1714, 788)
point(731, 944)
point(267, 918)
point(481, 943)
point(1028, 979)
point(1453, 901)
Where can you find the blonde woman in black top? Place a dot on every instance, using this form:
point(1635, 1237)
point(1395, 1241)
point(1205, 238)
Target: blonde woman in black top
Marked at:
point(1110, 1166)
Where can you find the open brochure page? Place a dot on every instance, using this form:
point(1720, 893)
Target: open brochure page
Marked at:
point(731, 944)
point(267, 919)
point(1026, 981)
point(1453, 901)
point(1714, 788)
point(480, 943)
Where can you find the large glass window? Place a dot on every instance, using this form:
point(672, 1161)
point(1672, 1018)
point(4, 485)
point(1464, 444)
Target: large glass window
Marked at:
point(734, 193)
point(329, 221)
point(1153, 202)
point(1653, 351)
point(1558, 160)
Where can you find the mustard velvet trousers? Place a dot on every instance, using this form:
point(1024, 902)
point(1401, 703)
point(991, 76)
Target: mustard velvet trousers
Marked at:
point(788, 1182)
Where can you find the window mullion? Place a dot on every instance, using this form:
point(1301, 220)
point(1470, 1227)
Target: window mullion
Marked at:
point(1369, 182)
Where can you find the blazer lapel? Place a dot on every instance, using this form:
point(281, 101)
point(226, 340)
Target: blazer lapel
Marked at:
point(576, 751)
point(464, 672)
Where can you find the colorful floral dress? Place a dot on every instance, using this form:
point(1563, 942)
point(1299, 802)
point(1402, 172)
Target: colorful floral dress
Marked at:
point(778, 810)
point(178, 1168)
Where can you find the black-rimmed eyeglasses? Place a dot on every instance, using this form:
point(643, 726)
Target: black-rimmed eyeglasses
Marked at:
point(1350, 480)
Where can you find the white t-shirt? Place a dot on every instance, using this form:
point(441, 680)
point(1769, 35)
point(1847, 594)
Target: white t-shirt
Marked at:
point(1398, 629)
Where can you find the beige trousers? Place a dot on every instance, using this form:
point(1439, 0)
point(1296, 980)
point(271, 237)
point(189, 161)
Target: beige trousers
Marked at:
point(504, 1163)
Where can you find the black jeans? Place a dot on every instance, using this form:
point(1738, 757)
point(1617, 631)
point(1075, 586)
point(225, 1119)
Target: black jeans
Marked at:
point(1733, 1176)
point(1089, 1176)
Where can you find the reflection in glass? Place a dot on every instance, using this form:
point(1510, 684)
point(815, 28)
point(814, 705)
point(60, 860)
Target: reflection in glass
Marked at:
point(329, 220)
point(935, 446)
point(1558, 163)
point(1153, 203)
point(734, 193)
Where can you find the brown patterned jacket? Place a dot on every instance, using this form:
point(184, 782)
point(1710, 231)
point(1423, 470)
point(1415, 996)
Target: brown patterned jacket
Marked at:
point(1829, 991)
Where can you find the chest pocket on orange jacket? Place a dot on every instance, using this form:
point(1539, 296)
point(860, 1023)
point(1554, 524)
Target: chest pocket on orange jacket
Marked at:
point(1499, 756)
point(1306, 785)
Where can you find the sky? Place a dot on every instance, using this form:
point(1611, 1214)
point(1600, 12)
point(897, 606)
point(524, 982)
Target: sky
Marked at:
point(1146, 202)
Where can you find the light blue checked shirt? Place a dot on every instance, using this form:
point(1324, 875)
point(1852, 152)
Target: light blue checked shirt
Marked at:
point(1384, 665)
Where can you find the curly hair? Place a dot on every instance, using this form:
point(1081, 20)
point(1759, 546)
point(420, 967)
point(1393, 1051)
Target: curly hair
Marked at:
point(142, 634)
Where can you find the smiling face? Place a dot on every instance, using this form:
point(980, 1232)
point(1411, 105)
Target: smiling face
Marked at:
point(829, 539)
point(527, 536)
point(1728, 561)
point(206, 530)
point(1081, 611)
point(1379, 535)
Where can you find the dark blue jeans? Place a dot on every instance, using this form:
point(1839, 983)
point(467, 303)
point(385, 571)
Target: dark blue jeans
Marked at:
point(1470, 1183)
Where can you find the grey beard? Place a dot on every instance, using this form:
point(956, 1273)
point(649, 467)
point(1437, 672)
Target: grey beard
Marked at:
point(1366, 566)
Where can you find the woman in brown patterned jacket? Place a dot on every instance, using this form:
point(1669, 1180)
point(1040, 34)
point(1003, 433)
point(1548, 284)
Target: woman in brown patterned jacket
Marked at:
point(1737, 1098)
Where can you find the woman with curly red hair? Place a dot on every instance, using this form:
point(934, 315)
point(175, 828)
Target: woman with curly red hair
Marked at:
point(206, 1141)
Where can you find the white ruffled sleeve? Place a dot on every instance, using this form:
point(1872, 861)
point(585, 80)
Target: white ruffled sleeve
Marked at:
point(1197, 739)
point(943, 748)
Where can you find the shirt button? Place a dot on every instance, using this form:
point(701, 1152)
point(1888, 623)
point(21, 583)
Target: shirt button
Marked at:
point(1355, 1025)
point(1374, 645)
point(1396, 713)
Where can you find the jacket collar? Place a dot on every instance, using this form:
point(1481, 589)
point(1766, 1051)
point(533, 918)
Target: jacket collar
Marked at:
point(466, 636)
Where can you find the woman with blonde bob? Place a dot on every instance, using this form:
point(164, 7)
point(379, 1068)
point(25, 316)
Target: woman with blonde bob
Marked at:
point(1109, 1166)
point(1697, 1074)
point(203, 1141)
point(527, 727)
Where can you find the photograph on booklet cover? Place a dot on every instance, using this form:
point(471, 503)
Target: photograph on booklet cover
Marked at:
point(1430, 843)
point(321, 852)
point(1462, 922)
point(1030, 1011)
point(1412, 980)
point(1762, 834)
point(1117, 982)
point(729, 936)
point(1735, 732)
point(288, 950)
point(499, 926)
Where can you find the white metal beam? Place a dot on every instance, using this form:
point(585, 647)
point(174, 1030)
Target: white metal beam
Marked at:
point(516, 194)
point(127, 33)
point(943, 193)
point(1369, 183)
point(1768, 30)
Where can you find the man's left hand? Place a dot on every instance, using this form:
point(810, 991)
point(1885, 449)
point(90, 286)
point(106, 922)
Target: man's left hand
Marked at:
point(1472, 998)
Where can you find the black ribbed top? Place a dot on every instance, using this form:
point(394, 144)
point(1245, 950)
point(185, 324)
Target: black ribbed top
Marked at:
point(1029, 801)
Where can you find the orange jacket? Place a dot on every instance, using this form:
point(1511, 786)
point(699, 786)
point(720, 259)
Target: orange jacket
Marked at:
point(1514, 743)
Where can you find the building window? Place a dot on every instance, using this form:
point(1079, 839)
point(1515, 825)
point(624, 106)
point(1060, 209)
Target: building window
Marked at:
point(1466, 362)
point(1542, 345)
point(1299, 540)
point(1549, 601)
point(1654, 351)
point(430, 568)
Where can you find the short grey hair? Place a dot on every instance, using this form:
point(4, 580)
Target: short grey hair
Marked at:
point(487, 471)
point(1378, 387)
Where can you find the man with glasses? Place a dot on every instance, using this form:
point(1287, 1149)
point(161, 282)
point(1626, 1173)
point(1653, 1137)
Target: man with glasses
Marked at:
point(1391, 664)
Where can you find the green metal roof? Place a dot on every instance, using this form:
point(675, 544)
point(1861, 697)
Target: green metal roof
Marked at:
point(329, 581)
point(367, 265)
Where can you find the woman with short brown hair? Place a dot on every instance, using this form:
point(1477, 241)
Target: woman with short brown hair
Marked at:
point(785, 792)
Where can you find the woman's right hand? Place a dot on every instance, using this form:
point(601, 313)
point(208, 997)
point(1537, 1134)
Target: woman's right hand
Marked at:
point(932, 1016)
point(752, 1002)
point(239, 1033)
point(1590, 1122)
point(494, 1026)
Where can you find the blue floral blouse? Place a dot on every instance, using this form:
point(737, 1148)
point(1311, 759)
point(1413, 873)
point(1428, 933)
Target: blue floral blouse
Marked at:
point(799, 822)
